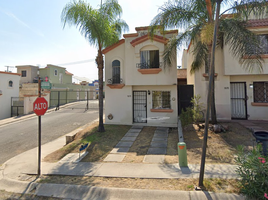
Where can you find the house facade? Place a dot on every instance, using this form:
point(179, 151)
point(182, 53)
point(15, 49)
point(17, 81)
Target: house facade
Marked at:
point(139, 89)
point(55, 75)
point(9, 87)
point(28, 73)
point(239, 93)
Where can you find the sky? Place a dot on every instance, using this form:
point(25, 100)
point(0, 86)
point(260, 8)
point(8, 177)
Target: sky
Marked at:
point(31, 33)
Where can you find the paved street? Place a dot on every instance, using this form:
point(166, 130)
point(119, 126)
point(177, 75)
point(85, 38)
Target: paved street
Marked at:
point(21, 135)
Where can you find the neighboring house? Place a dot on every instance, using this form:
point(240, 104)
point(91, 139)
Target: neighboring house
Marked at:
point(28, 73)
point(239, 94)
point(9, 87)
point(55, 75)
point(139, 88)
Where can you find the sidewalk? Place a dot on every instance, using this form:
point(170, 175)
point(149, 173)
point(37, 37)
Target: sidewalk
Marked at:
point(15, 173)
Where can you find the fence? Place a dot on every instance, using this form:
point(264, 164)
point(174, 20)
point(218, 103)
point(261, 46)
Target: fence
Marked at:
point(59, 98)
point(17, 106)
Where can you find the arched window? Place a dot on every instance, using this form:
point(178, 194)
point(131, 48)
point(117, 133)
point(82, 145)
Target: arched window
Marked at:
point(10, 83)
point(116, 71)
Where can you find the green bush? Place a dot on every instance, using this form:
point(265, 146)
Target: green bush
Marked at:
point(186, 117)
point(192, 114)
point(253, 171)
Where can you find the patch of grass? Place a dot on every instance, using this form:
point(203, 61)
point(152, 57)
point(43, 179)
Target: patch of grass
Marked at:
point(222, 185)
point(191, 187)
point(102, 143)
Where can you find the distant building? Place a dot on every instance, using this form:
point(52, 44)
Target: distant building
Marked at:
point(28, 73)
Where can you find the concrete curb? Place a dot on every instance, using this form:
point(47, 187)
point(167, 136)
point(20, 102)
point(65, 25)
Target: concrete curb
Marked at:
point(67, 191)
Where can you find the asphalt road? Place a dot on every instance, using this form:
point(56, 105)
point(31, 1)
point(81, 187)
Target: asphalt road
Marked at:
point(21, 135)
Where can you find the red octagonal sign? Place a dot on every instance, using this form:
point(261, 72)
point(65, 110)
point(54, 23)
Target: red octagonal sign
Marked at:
point(40, 106)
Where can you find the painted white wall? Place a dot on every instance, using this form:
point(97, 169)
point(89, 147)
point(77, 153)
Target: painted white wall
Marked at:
point(118, 102)
point(8, 92)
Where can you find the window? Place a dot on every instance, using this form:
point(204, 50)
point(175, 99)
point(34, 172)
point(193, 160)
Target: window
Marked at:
point(260, 90)
point(116, 71)
point(56, 72)
point(10, 84)
point(263, 45)
point(161, 100)
point(23, 73)
point(149, 59)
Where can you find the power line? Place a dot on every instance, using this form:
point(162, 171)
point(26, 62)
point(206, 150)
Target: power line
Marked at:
point(77, 62)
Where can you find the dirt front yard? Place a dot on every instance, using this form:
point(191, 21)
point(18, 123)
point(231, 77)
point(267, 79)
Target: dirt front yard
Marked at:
point(221, 148)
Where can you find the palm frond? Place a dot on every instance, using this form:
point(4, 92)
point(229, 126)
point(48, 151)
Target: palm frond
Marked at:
point(251, 8)
point(200, 53)
point(243, 43)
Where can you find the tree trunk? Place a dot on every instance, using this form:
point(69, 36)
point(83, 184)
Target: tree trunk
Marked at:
point(209, 97)
point(99, 61)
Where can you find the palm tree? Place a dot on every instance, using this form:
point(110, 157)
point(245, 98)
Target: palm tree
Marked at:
point(101, 27)
point(197, 18)
point(232, 31)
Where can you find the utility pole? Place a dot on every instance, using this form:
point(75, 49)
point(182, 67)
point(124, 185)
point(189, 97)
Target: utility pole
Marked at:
point(8, 68)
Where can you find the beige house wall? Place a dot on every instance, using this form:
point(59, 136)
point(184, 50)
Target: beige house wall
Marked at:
point(31, 73)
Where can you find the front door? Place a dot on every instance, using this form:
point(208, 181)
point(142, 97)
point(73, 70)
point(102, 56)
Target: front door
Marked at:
point(185, 95)
point(139, 106)
point(238, 100)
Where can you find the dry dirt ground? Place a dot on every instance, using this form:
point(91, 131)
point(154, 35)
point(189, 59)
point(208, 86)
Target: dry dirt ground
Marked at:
point(221, 148)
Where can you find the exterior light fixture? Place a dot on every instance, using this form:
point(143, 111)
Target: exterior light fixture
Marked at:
point(149, 92)
point(250, 86)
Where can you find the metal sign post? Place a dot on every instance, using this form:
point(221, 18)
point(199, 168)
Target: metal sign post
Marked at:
point(39, 107)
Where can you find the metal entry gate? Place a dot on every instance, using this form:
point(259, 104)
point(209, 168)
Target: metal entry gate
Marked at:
point(185, 95)
point(139, 106)
point(238, 100)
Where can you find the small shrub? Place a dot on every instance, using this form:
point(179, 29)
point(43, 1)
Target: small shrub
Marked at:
point(192, 114)
point(197, 109)
point(186, 117)
point(253, 171)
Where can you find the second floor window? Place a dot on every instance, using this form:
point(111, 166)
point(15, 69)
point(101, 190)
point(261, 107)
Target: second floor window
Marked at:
point(23, 73)
point(116, 71)
point(149, 59)
point(161, 100)
point(263, 45)
point(260, 92)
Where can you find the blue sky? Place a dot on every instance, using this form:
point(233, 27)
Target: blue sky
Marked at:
point(31, 33)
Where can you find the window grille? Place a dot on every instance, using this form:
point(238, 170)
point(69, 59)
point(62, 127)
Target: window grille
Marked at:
point(263, 48)
point(116, 71)
point(23, 73)
point(260, 90)
point(161, 100)
point(149, 59)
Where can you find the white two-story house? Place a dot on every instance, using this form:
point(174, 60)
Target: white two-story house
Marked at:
point(239, 93)
point(139, 88)
point(9, 88)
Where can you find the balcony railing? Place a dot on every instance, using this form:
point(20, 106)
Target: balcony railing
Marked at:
point(115, 81)
point(145, 65)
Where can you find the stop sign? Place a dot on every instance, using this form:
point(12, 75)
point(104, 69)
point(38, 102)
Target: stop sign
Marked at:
point(40, 106)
